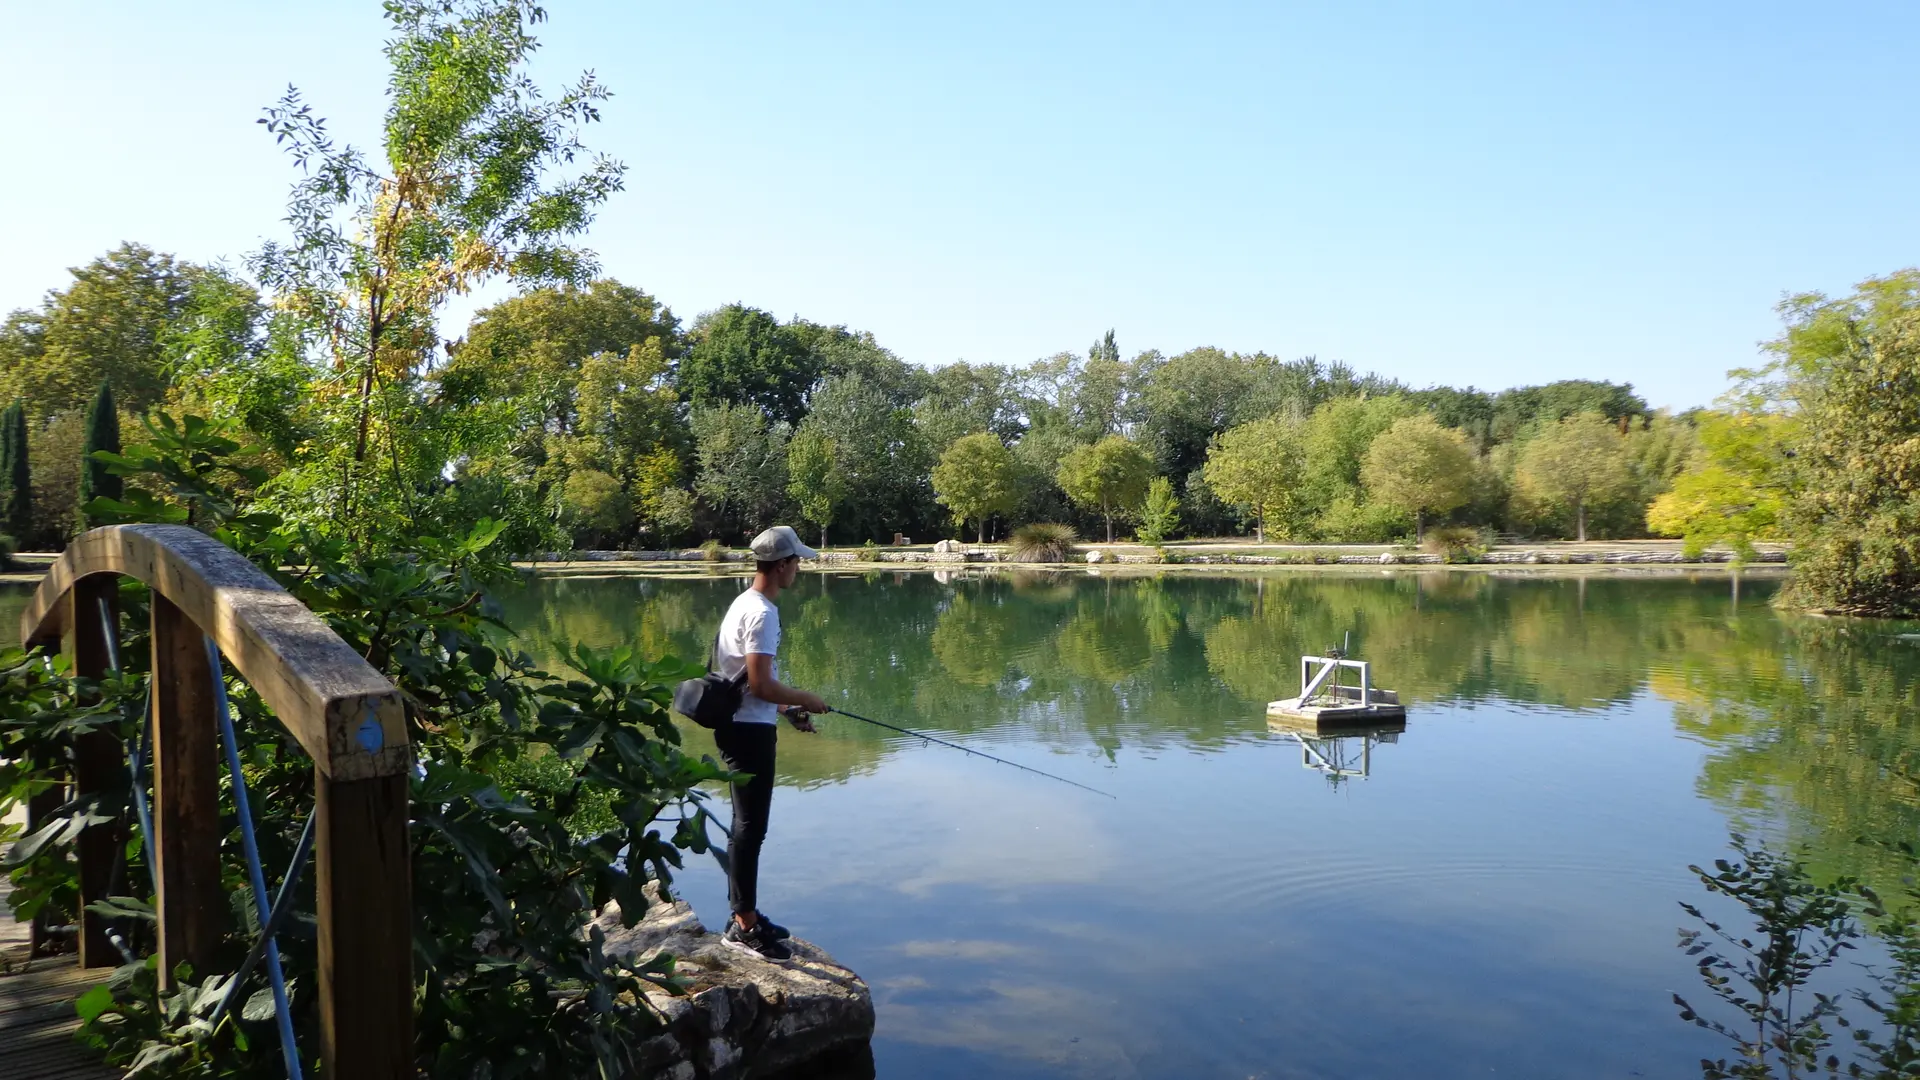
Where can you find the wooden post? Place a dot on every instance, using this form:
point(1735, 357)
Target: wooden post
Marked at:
point(186, 793)
point(97, 759)
point(365, 902)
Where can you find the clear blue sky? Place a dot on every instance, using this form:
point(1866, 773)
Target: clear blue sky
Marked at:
point(1486, 194)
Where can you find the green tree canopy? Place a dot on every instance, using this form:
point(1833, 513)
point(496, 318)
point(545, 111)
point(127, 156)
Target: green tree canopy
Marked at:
point(1851, 367)
point(595, 506)
point(562, 378)
point(626, 407)
point(534, 345)
point(976, 479)
point(963, 398)
point(1099, 402)
point(742, 355)
point(1337, 438)
point(1258, 467)
point(112, 322)
point(1187, 400)
point(1577, 463)
point(742, 473)
point(1110, 475)
point(1524, 407)
point(814, 477)
point(1418, 467)
point(838, 351)
point(881, 453)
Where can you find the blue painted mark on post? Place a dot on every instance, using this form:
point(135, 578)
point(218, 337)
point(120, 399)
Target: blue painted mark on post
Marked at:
point(371, 736)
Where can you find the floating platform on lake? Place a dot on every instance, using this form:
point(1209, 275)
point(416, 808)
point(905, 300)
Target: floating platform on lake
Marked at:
point(1286, 717)
point(1325, 703)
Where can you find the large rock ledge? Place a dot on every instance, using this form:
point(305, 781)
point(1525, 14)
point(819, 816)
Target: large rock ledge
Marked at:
point(746, 1018)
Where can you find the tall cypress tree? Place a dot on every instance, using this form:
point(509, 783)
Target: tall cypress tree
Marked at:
point(18, 474)
point(103, 433)
point(6, 467)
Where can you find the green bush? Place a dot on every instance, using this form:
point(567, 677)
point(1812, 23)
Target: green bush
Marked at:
point(1347, 520)
point(1160, 514)
point(9, 547)
point(869, 552)
point(713, 551)
point(1041, 542)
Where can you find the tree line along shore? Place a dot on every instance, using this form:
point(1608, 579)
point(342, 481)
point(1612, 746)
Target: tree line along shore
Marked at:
point(592, 417)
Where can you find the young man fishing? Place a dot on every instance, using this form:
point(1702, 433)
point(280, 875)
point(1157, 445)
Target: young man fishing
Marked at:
point(749, 640)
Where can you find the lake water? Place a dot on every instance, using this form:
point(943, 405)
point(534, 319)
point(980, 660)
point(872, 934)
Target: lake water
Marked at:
point(1496, 895)
point(1492, 892)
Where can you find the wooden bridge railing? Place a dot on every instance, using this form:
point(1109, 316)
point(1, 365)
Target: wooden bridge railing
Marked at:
point(346, 715)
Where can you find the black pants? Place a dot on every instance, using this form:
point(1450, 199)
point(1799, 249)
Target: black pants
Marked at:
point(748, 748)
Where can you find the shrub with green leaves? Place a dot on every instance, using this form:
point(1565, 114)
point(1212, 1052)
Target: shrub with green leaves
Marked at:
point(1762, 976)
point(540, 798)
point(1160, 514)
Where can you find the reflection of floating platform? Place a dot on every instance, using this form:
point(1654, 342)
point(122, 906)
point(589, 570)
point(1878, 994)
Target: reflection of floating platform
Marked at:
point(1324, 703)
point(1342, 750)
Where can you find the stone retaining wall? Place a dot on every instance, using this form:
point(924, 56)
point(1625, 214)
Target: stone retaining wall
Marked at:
point(956, 556)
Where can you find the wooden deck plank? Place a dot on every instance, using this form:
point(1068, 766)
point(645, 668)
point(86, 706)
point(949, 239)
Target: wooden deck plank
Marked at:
point(37, 1020)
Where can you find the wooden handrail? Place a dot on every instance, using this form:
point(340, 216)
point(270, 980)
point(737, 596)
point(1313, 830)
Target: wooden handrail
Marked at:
point(346, 714)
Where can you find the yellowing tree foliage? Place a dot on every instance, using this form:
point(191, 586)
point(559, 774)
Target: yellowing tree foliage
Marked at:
point(1738, 493)
point(1258, 467)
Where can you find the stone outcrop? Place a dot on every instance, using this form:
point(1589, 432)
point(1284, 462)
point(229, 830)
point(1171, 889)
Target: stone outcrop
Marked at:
point(746, 1017)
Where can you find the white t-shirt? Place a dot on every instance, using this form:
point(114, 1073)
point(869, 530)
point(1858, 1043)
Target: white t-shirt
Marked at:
point(752, 625)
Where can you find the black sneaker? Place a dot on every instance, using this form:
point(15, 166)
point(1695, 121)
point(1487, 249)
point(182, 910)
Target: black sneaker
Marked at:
point(756, 941)
point(780, 933)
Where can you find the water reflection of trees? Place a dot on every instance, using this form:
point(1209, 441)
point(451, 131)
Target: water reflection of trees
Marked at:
point(1813, 725)
point(1571, 643)
point(1814, 732)
point(1159, 659)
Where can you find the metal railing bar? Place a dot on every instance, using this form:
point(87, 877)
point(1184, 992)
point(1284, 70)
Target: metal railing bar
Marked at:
point(142, 807)
point(137, 762)
point(136, 765)
point(256, 878)
point(282, 911)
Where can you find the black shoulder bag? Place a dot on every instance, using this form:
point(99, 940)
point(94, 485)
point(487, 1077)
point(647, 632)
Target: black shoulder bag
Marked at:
point(711, 700)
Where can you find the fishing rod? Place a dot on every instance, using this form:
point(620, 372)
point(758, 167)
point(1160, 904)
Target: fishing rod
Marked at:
point(966, 750)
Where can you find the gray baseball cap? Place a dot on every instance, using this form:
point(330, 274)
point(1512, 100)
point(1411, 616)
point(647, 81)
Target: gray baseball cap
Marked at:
point(780, 542)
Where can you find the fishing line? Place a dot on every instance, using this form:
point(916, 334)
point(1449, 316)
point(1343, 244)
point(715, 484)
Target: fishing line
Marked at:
point(967, 750)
